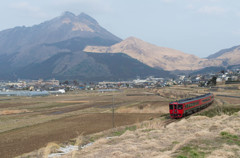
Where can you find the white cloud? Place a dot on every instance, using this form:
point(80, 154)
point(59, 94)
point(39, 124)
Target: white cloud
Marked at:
point(212, 10)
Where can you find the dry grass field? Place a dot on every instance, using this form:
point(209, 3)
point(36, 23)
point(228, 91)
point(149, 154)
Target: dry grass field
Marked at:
point(211, 133)
point(28, 125)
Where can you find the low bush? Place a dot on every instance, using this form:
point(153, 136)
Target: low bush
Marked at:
point(120, 132)
point(216, 111)
point(230, 139)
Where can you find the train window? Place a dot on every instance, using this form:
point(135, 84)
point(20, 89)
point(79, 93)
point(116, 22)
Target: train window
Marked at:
point(175, 106)
point(171, 107)
point(180, 106)
point(206, 99)
point(192, 104)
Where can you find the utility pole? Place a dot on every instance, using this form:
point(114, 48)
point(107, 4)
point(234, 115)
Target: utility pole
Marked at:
point(113, 119)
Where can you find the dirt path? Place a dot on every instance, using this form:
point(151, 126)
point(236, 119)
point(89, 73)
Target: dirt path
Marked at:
point(24, 140)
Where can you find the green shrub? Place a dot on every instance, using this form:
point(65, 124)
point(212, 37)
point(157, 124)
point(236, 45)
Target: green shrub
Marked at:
point(216, 111)
point(180, 156)
point(120, 132)
point(229, 138)
point(192, 152)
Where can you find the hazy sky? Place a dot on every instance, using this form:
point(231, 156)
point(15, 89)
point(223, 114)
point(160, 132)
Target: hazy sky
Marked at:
point(200, 27)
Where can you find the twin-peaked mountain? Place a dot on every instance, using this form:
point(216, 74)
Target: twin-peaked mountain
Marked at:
point(77, 47)
point(55, 49)
point(58, 29)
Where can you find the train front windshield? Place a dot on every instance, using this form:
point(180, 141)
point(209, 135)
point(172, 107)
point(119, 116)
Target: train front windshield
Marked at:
point(174, 107)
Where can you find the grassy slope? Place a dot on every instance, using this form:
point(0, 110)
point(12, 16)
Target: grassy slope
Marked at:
point(91, 67)
point(196, 137)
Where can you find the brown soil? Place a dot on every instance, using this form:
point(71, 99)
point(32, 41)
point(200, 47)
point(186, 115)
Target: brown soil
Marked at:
point(8, 112)
point(231, 100)
point(24, 140)
point(72, 101)
point(8, 105)
point(160, 107)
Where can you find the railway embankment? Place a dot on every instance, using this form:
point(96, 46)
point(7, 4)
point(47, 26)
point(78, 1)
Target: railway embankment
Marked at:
point(196, 136)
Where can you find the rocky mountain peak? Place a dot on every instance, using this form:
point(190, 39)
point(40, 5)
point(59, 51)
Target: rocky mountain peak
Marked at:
point(86, 18)
point(68, 14)
point(131, 42)
point(69, 17)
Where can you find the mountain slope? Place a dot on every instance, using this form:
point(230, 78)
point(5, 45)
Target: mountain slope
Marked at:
point(42, 52)
point(155, 56)
point(222, 52)
point(90, 67)
point(229, 56)
point(123, 66)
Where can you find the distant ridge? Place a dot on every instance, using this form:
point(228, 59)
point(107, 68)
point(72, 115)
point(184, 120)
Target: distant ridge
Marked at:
point(230, 56)
point(155, 56)
point(223, 51)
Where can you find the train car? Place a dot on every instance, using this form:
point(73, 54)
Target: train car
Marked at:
point(181, 108)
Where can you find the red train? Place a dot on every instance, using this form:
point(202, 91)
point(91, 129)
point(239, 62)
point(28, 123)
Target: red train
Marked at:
point(181, 108)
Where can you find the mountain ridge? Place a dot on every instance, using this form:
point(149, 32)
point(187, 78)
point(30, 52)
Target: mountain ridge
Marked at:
point(158, 57)
point(229, 56)
point(221, 52)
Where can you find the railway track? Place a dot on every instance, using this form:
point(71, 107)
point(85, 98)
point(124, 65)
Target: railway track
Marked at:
point(230, 96)
point(167, 122)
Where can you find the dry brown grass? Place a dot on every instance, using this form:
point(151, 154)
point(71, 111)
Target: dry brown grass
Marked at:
point(8, 112)
point(148, 107)
point(73, 101)
point(79, 141)
point(198, 134)
point(51, 147)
